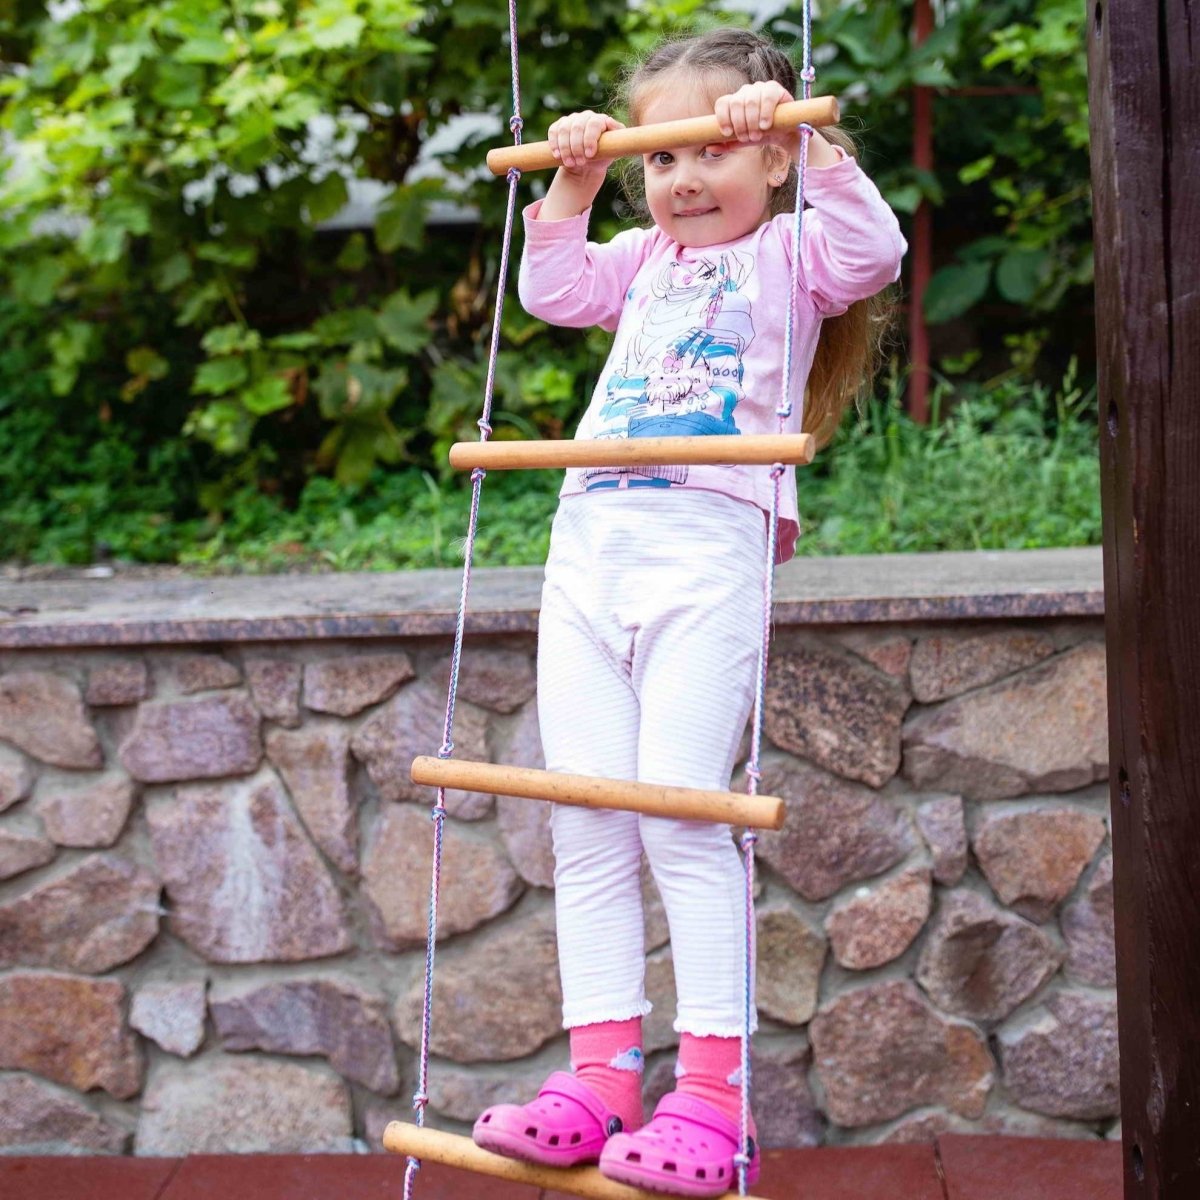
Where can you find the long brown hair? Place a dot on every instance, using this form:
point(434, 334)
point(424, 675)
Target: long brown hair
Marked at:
point(851, 346)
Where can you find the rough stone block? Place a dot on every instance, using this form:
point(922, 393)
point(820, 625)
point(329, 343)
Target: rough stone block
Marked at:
point(790, 955)
point(658, 1028)
point(516, 1010)
point(525, 824)
point(833, 709)
point(89, 812)
point(889, 652)
point(205, 738)
point(332, 1017)
point(785, 1111)
point(877, 924)
point(16, 777)
point(941, 823)
point(946, 664)
point(345, 686)
point(275, 688)
point(462, 1093)
point(171, 1014)
point(834, 833)
point(1063, 1061)
point(410, 724)
point(1044, 729)
point(244, 882)
point(981, 962)
point(125, 681)
point(315, 765)
point(501, 680)
point(101, 912)
point(1087, 925)
point(191, 673)
point(481, 881)
point(69, 1030)
point(1034, 858)
point(244, 1106)
point(23, 847)
point(43, 714)
point(36, 1118)
point(881, 1050)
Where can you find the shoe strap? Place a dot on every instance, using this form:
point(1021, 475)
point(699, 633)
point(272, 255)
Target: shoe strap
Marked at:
point(561, 1083)
point(699, 1112)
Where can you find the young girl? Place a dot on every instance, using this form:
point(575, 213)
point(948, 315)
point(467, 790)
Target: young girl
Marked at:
point(651, 613)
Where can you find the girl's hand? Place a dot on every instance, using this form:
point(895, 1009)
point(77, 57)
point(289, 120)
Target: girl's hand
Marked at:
point(574, 139)
point(748, 113)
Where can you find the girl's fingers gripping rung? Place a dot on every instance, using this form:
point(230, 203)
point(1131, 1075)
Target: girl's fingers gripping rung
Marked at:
point(669, 135)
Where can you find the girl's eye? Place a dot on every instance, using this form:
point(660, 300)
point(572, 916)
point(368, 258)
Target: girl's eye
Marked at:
point(661, 158)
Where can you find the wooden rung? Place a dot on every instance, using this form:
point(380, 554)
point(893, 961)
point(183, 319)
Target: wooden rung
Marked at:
point(588, 791)
point(455, 1150)
point(717, 449)
point(665, 135)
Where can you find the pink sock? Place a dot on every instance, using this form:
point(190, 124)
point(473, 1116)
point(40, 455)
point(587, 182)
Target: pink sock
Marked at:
point(710, 1069)
point(607, 1057)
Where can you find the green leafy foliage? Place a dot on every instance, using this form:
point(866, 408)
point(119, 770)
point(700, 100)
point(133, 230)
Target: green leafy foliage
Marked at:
point(1011, 171)
point(193, 362)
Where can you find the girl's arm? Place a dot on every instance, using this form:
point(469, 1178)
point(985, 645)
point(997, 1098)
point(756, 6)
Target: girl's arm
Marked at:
point(575, 138)
point(564, 278)
point(850, 241)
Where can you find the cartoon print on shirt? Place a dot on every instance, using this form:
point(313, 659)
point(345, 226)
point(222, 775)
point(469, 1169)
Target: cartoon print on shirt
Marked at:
point(682, 373)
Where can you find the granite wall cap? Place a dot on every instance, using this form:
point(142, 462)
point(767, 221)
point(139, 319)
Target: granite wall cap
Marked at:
point(144, 609)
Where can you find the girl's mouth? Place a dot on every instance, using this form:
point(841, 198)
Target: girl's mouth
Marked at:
point(695, 212)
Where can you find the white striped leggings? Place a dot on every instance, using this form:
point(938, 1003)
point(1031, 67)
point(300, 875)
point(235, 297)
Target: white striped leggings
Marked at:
point(648, 644)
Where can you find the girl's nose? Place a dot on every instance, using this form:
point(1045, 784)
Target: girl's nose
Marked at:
point(684, 183)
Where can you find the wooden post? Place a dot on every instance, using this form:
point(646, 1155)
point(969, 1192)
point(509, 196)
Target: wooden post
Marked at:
point(1145, 124)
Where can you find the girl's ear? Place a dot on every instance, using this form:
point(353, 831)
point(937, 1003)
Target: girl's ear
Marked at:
point(779, 163)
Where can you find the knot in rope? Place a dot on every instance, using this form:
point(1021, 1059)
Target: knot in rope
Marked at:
point(515, 125)
point(445, 750)
point(437, 812)
point(753, 772)
point(777, 469)
point(478, 475)
point(420, 1099)
point(749, 838)
point(484, 426)
point(806, 128)
point(513, 174)
point(414, 1164)
point(809, 73)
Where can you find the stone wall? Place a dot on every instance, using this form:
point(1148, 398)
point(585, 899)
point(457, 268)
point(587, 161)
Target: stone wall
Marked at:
point(215, 878)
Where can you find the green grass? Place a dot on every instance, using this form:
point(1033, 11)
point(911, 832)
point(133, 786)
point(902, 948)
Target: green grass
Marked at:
point(1010, 466)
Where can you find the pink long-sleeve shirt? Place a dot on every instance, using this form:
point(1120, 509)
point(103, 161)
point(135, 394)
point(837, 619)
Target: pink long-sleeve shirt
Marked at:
point(699, 346)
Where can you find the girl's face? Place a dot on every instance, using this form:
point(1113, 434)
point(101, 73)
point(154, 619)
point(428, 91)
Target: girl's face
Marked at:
point(705, 195)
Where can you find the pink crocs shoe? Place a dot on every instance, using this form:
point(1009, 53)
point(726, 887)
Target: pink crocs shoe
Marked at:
point(686, 1149)
point(566, 1125)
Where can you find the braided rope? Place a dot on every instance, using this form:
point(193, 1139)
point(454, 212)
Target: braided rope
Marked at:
point(438, 811)
point(753, 767)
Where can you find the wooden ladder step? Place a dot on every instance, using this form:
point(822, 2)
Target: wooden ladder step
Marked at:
point(456, 1150)
point(716, 449)
point(663, 135)
point(588, 791)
